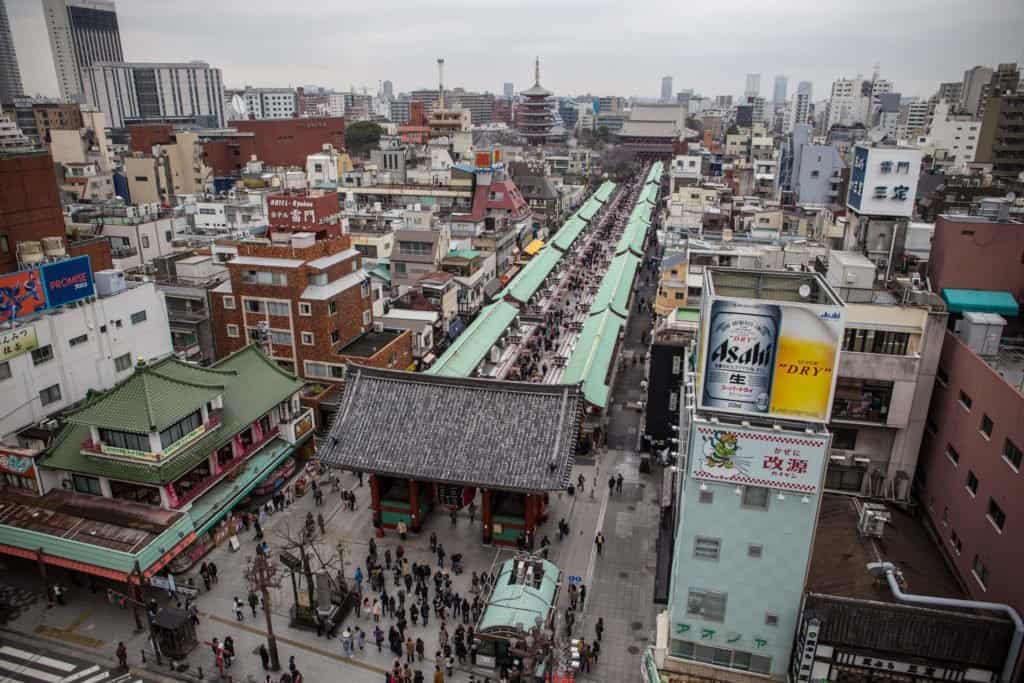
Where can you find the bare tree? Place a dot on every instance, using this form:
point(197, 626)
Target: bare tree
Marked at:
point(261, 574)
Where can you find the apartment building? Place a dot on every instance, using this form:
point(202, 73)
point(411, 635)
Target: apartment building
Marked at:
point(137, 92)
point(307, 303)
point(81, 32)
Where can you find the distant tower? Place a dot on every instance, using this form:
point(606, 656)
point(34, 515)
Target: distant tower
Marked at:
point(10, 76)
point(510, 90)
point(81, 32)
point(389, 90)
point(753, 87)
point(666, 89)
point(536, 115)
point(440, 83)
point(779, 91)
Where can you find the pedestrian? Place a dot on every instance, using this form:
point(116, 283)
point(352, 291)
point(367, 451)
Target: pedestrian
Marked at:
point(358, 577)
point(320, 523)
point(213, 572)
point(253, 602)
point(229, 650)
point(453, 517)
point(438, 675)
point(122, 655)
point(387, 559)
point(472, 512)
point(599, 628)
point(410, 650)
point(449, 666)
point(618, 483)
point(611, 485)
point(440, 556)
point(402, 530)
point(596, 649)
point(378, 637)
point(264, 656)
point(433, 542)
point(346, 642)
point(239, 609)
point(420, 646)
point(599, 542)
point(193, 615)
point(204, 571)
point(291, 666)
point(583, 596)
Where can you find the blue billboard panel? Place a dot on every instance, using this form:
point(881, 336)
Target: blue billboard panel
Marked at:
point(67, 281)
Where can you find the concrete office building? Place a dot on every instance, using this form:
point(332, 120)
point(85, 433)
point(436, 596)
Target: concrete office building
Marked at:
point(10, 75)
point(82, 33)
point(270, 103)
point(666, 89)
point(753, 86)
point(142, 92)
point(957, 135)
point(779, 90)
point(975, 79)
point(813, 172)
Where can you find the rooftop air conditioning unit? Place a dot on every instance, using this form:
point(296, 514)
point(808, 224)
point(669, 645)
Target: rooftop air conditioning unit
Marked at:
point(873, 518)
point(53, 247)
point(109, 281)
point(30, 252)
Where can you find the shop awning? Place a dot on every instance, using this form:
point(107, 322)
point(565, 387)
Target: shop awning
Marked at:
point(533, 247)
point(980, 301)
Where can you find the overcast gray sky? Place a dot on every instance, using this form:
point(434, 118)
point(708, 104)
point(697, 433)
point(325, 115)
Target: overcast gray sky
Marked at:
point(620, 47)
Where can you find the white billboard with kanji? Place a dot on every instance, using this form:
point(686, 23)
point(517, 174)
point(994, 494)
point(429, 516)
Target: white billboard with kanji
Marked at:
point(780, 459)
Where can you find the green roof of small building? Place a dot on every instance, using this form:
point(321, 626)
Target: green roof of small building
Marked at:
point(153, 398)
point(470, 347)
point(980, 301)
point(592, 357)
point(687, 315)
point(252, 384)
point(381, 271)
point(468, 254)
point(517, 603)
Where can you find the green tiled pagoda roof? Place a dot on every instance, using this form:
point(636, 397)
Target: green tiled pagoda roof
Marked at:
point(153, 398)
point(252, 385)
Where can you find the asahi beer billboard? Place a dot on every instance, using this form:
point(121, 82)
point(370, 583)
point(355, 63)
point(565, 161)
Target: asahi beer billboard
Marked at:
point(779, 459)
point(769, 359)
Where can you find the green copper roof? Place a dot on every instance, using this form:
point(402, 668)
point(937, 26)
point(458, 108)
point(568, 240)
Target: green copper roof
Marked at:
point(517, 603)
point(564, 238)
point(632, 238)
point(589, 209)
point(531, 277)
point(470, 347)
point(980, 301)
point(616, 285)
point(468, 254)
point(592, 357)
point(153, 398)
point(654, 175)
point(604, 192)
point(642, 212)
point(252, 385)
point(649, 194)
point(381, 271)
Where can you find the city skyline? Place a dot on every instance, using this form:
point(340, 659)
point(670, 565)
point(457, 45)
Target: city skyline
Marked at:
point(901, 39)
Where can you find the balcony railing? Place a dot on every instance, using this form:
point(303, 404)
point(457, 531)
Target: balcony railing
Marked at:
point(296, 425)
point(226, 469)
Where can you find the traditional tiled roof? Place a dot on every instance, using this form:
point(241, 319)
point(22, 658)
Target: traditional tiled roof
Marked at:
point(252, 385)
point(476, 432)
point(153, 398)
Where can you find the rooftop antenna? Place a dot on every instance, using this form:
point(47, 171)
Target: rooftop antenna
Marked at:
point(440, 82)
point(536, 72)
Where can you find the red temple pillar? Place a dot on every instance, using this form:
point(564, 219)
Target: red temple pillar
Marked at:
point(530, 518)
point(375, 505)
point(414, 505)
point(485, 515)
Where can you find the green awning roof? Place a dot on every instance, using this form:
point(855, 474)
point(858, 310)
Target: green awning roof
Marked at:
point(604, 192)
point(616, 285)
point(517, 603)
point(980, 301)
point(564, 238)
point(471, 346)
point(592, 357)
point(531, 277)
point(632, 238)
point(589, 209)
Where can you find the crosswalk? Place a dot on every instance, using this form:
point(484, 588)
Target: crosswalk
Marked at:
point(18, 665)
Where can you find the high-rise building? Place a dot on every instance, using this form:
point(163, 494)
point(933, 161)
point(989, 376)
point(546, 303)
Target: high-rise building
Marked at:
point(10, 76)
point(388, 89)
point(666, 89)
point(779, 92)
point(799, 109)
point(1005, 80)
point(1001, 142)
point(82, 32)
point(970, 89)
point(509, 90)
point(805, 87)
point(753, 87)
point(270, 103)
point(950, 92)
point(189, 92)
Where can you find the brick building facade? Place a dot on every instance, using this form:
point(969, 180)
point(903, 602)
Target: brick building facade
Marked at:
point(29, 203)
point(312, 302)
point(315, 211)
point(275, 142)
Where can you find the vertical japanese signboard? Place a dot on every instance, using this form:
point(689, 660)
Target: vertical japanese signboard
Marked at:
point(778, 459)
point(768, 359)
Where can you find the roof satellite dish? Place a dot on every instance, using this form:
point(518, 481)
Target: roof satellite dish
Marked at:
point(804, 291)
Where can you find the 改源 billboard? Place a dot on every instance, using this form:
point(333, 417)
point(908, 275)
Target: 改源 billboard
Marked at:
point(769, 359)
point(779, 459)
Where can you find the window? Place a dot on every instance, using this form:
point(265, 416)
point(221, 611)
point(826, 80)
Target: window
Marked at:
point(138, 317)
point(972, 483)
point(42, 355)
point(942, 376)
point(706, 497)
point(844, 477)
point(965, 400)
point(264, 277)
point(956, 542)
point(123, 362)
point(145, 241)
point(80, 339)
point(1012, 454)
point(181, 428)
point(952, 454)
point(755, 551)
point(232, 331)
point(367, 317)
point(332, 307)
point(5, 370)
point(876, 341)
point(980, 571)
point(305, 308)
point(707, 548)
point(709, 605)
point(986, 426)
point(229, 302)
point(996, 514)
point(307, 338)
point(862, 400)
point(253, 306)
point(755, 497)
point(335, 337)
point(280, 338)
point(398, 268)
point(844, 439)
point(129, 440)
point(277, 308)
point(90, 485)
point(408, 248)
point(771, 619)
point(50, 395)
point(364, 289)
